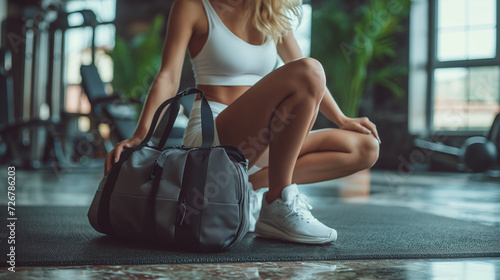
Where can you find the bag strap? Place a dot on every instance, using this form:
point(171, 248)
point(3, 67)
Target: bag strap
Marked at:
point(207, 125)
point(166, 124)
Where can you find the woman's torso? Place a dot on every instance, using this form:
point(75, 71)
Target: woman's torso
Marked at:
point(249, 37)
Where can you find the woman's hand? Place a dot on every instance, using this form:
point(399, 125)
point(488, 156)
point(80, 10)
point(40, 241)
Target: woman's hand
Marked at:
point(362, 125)
point(114, 155)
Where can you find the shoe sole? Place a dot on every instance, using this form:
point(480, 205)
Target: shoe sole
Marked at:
point(273, 231)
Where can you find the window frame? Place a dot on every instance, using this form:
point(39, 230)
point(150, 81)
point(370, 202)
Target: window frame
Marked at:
point(434, 63)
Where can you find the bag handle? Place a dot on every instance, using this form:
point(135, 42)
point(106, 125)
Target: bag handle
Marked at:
point(165, 124)
point(207, 124)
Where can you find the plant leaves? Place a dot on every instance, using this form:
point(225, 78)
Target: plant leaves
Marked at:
point(136, 62)
point(357, 45)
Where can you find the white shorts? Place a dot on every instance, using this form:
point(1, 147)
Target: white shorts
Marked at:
point(192, 135)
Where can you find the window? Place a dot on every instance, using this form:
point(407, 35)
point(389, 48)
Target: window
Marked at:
point(464, 65)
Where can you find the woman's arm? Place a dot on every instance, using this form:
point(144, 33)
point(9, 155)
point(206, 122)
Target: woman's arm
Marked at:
point(289, 50)
point(182, 21)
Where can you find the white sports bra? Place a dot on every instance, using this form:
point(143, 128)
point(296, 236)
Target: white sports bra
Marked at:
point(227, 60)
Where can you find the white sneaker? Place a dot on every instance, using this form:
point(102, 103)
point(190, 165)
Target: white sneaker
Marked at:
point(255, 205)
point(288, 218)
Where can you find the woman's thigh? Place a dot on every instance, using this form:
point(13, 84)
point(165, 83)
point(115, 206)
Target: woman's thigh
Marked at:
point(335, 140)
point(249, 120)
point(338, 140)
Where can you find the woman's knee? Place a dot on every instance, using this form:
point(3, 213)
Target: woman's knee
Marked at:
point(310, 76)
point(368, 151)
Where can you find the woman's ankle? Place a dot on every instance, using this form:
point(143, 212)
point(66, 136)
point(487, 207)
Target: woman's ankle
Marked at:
point(272, 195)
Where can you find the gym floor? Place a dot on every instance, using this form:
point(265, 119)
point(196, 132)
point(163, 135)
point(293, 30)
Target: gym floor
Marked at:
point(471, 197)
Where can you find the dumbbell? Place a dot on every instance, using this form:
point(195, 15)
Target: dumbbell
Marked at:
point(479, 153)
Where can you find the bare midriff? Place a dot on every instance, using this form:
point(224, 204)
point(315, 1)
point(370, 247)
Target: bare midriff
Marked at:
point(222, 94)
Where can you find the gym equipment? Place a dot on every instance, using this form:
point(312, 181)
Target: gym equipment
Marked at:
point(34, 125)
point(29, 135)
point(120, 115)
point(494, 135)
point(57, 61)
point(107, 108)
point(10, 129)
point(41, 127)
point(37, 97)
point(477, 154)
point(6, 87)
point(6, 102)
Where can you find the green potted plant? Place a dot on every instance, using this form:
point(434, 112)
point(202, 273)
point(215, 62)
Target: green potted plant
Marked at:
point(357, 43)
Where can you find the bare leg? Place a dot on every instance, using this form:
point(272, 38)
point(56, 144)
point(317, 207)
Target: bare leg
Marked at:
point(263, 163)
point(328, 154)
point(277, 111)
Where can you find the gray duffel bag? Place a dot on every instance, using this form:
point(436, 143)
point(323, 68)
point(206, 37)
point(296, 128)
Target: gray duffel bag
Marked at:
point(191, 197)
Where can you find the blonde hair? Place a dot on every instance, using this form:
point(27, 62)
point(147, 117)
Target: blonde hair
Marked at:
point(273, 17)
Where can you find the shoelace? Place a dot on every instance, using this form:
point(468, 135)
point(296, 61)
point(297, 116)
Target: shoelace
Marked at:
point(300, 206)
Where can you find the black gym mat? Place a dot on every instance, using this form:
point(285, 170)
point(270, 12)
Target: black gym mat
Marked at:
point(62, 236)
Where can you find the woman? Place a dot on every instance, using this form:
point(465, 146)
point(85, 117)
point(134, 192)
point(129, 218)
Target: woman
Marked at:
point(268, 114)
